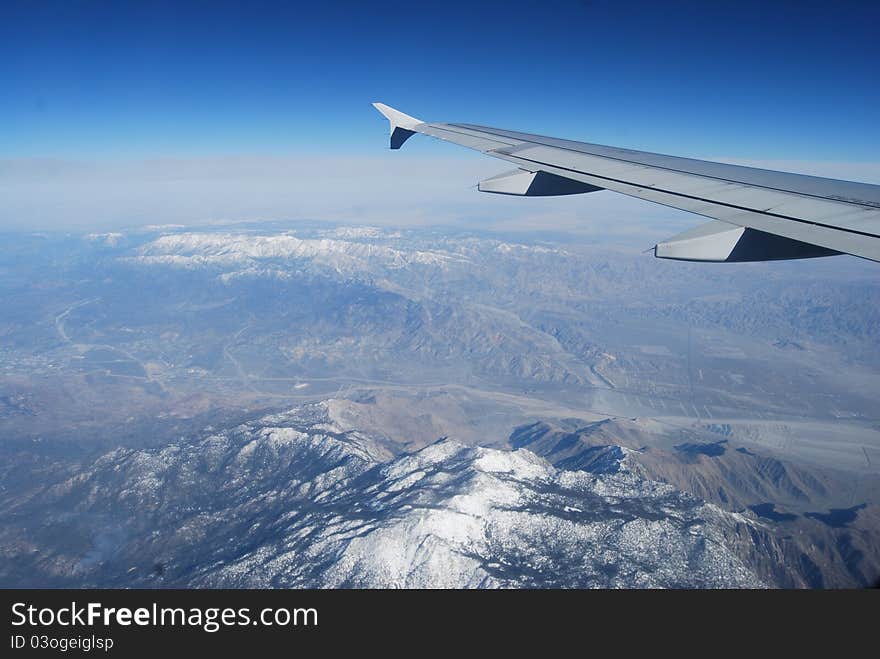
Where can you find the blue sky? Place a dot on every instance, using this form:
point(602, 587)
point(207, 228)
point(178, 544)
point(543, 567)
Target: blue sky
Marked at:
point(760, 80)
point(120, 113)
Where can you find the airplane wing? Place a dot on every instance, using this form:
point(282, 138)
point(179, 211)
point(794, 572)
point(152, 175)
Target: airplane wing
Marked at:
point(757, 214)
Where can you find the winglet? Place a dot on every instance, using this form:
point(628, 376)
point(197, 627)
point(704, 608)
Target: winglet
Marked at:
point(401, 124)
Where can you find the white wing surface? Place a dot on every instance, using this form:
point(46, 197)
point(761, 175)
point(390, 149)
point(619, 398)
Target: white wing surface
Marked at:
point(758, 214)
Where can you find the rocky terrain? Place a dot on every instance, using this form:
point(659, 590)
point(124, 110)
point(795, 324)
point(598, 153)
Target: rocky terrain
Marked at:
point(312, 405)
point(814, 544)
point(290, 500)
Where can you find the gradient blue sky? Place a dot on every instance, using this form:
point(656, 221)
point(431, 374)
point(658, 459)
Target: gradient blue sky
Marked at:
point(85, 79)
point(119, 114)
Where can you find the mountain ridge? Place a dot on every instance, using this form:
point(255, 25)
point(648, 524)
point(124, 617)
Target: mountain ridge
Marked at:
point(291, 501)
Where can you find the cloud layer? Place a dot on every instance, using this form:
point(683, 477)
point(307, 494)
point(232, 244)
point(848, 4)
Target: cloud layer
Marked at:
point(387, 189)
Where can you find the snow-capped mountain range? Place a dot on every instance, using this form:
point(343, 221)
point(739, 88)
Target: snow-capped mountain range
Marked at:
point(291, 500)
point(231, 249)
point(747, 394)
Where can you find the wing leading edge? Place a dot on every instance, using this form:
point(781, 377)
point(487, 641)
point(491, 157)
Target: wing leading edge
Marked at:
point(758, 214)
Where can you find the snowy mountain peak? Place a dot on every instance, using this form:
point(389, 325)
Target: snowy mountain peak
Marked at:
point(291, 500)
point(345, 253)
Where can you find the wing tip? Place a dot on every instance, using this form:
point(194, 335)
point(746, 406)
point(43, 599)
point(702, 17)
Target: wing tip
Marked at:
point(396, 118)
